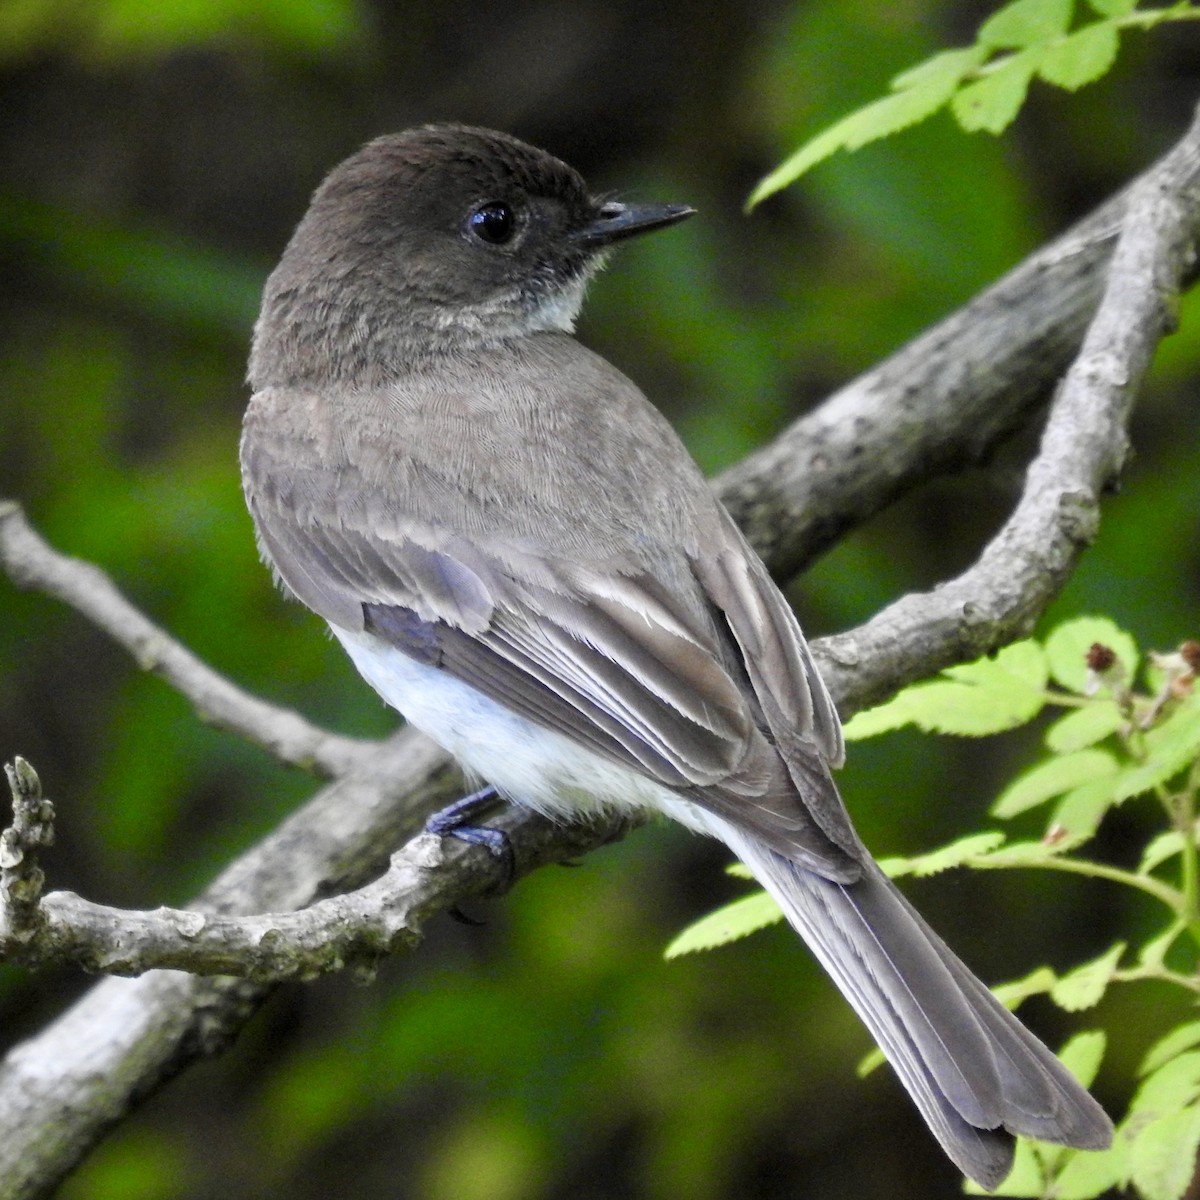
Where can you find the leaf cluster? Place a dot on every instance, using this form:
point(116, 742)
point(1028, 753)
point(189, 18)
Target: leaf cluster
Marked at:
point(985, 84)
point(1108, 742)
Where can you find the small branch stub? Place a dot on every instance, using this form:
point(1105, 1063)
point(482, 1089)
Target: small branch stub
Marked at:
point(21, 877)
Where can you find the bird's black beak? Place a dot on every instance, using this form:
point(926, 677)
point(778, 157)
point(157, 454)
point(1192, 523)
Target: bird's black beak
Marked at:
point(614, 221)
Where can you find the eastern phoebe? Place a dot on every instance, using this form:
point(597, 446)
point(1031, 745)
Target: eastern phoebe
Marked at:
point(518, 553)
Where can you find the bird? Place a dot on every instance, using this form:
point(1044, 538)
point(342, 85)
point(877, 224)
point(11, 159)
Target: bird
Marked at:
point(518, 553)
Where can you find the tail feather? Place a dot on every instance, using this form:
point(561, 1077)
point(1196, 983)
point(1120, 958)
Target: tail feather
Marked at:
point(976, 1074)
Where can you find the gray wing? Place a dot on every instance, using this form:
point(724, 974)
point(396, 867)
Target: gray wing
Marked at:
point(795, 703)
point(703, 683)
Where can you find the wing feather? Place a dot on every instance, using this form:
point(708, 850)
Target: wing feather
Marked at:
point(650, 634)
point(797, 707)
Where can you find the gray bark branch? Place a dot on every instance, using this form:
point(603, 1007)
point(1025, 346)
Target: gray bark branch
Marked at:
point(60, 1090)
point(32, 564)
point(942, 401)
point(347, 931)
point(1083, 448)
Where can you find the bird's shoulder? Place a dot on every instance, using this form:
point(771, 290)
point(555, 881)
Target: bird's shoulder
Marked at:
point(537, 441)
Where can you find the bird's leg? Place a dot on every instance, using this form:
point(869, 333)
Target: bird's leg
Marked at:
point(456, 821)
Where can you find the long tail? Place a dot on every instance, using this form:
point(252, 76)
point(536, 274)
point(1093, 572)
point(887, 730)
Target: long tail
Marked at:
point(976, 1073)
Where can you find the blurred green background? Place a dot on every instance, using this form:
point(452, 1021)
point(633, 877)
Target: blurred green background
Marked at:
point(154, 155)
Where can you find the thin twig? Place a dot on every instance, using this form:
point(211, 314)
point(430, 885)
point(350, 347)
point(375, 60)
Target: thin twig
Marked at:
point(22, 920)
point(33, 564)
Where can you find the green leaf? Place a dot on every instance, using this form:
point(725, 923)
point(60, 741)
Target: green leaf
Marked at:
point(1170, 747)
point(990, 104)
point(1162, 1159)
point(938, 706)
point(1053, 778)
point(1161, 848)
point(1083, 1054)
point(1181, 1038)
point(815, 150)
point(870, 1062)
point(987, 696)
point(1170, 1087)
point(1085, 986)
point(1113, 8)
point(1154, 952)
point(1079, 813)
point(884, 718)
point(956, 853)
point(879, 119)
point(948, 68)
point(736, 920)
point(1089, 1173)
point(1024, 661)
point(1084, 726)
point(894, 867)
point(1025, 23)
point(1036, 983)
point(1018, 854)
point(1080, 58)
point(1068, 645)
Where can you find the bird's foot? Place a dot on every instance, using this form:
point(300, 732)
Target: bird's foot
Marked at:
point(457, 821)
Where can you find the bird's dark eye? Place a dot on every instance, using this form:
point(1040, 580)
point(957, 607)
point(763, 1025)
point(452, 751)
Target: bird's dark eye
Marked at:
point(493, 222)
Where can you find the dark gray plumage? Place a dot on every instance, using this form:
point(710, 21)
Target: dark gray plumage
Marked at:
point(520, 555)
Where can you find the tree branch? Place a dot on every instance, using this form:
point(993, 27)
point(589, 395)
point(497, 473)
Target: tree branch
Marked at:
point(944, 400)
point(1082, 450)
point(1083, 447)
point(33, 564)
point(350, 930)
point(60, 1090)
